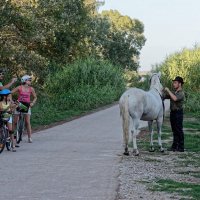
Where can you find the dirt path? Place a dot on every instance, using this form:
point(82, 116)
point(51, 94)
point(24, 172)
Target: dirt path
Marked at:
point(139, 174)
point(83, 159)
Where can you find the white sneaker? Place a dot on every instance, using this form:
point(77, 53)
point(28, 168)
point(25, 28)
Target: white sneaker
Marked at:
point(30, 140)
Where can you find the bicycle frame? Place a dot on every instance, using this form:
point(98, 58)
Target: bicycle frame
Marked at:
point(20, 128)
point(4, 136)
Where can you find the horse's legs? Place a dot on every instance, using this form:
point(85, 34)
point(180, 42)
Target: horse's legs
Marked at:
point(124, 112)
point(126, 152)
point(131, 139)
point(134, 133)
point(150, 124)
point(159, 125)
point(126, 140)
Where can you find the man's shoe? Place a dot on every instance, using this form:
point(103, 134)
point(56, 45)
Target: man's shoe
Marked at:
point(172, 149)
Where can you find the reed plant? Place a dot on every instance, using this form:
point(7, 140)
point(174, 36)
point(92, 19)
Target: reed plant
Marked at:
point(79, 87)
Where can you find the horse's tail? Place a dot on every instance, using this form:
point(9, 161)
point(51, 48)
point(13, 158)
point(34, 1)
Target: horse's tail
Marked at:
point(125, 118)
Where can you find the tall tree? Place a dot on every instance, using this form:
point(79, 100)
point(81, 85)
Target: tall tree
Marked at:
point(17, 33)
point(36, 33)
point(125, 41)
point(93, 5)
point(65, 22)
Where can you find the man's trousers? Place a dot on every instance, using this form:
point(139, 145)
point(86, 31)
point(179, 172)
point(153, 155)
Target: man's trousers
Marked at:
point(176, 119)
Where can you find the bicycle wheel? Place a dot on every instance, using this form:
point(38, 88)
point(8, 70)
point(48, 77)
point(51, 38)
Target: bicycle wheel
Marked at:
point(8, 141)
point(2, 138)
point(20, 129)
point(16, 134)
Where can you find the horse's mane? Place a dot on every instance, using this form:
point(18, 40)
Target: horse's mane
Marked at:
point(155, 82)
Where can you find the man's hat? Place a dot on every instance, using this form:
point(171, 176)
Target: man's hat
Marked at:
point(179, 79)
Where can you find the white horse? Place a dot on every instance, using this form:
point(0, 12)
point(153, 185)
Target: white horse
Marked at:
point(142, 105)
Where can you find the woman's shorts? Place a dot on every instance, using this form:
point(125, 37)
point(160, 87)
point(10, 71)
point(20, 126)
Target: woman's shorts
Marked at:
point(25, 113)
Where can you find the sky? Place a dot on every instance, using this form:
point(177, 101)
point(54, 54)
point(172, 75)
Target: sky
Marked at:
point(170, 25)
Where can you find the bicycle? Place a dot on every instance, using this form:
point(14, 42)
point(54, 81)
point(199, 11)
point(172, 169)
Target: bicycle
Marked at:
point(5, 139)
point(20, 128)
point(20, 123)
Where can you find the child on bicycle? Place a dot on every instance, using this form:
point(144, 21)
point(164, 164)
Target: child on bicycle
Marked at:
point(25, 92)
point(7, 107)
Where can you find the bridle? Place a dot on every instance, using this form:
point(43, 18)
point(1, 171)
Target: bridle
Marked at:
point(159, 81)
point(152, 77)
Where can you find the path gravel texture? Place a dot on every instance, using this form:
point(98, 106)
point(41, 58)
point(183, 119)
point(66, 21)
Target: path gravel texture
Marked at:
point(139, 174)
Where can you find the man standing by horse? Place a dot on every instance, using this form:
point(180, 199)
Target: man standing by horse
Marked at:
point(176, 113)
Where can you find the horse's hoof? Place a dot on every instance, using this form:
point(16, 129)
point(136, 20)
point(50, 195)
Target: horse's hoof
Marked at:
point(161, 150)
point(126, 153)
point(136, 152)
point(151, 149)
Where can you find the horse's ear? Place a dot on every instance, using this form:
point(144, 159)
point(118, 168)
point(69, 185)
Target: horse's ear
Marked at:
point(159, 74)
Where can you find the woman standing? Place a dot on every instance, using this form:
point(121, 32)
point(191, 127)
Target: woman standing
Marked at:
point(25, 93)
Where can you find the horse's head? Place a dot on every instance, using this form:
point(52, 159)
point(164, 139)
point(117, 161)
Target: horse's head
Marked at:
point(155, 82)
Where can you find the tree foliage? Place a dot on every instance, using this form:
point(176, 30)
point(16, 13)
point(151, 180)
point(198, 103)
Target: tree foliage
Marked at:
point(41, 35)
point(18, 32)
point(185, 64)
point(126, 39)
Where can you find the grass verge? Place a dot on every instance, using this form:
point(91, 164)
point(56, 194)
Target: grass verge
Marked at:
point(188, 162)
point(183, 189)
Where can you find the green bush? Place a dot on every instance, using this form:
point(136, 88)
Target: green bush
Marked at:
point(79, 87)
point(186, 64)
point(84, 72)
point(134, 79)
point(192, 103)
